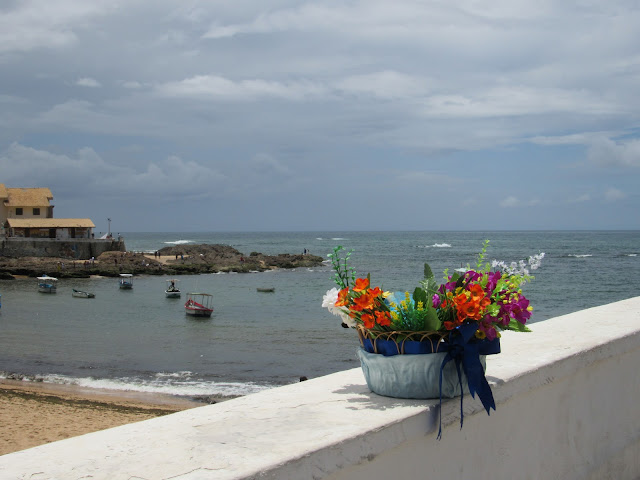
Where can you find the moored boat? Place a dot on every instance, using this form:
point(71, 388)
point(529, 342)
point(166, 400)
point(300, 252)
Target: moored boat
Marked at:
point(199, 304)
point(266, 289)
point(82, 294)
point(126, 281)
point(47, 284)
point(172, 290)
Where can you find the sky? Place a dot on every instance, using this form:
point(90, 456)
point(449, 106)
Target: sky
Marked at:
point(282, 115)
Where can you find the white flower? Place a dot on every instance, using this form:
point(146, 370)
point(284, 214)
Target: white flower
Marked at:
point(329, 302)
point(519, 268)
point(329, 299)
point(536, 260)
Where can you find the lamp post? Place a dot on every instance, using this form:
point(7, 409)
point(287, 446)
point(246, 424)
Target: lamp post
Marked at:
point(109, 231)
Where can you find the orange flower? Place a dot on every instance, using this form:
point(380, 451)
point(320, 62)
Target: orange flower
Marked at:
point(368, 321)
point(375, 291)
point(460, 298)
point(451, 325)
point(361, 284)
point(484, 303)
point(383, 318)
point(363, 302)
point(343, 298)
point(469, 310)
point(476, 291)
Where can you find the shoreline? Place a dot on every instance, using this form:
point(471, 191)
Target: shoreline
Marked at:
point(36, 413)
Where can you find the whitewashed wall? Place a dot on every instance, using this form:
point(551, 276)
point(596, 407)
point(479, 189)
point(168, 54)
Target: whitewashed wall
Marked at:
point(567, 407)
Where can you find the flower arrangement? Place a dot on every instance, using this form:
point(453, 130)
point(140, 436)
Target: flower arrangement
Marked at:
point(458, 321)
point(490, 300)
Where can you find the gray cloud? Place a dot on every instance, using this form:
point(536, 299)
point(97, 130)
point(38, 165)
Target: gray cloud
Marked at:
point(91, 175)
point(88, 82)
point(610, 152)
point(308, 100)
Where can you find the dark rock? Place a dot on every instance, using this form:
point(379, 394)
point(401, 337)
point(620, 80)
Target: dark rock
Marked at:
point(184, 260)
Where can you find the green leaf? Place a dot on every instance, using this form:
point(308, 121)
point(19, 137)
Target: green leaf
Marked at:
point(430, 317)
point(517, 326)
point(428, 274)
point(429, 283)
point(419, 295)
point(431, 321)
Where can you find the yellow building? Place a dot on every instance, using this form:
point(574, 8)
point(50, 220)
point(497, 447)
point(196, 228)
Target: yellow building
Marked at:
point(28, 213)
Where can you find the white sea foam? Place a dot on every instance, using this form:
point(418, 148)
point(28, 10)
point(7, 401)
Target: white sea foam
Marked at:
point(185, 374)
point(179, 242)
point(436, 245)
point(632, 255)
point(179, 384)
point(579, 256)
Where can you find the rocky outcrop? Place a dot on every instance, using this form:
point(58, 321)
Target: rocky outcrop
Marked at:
point(179, 260)
point(227, 258)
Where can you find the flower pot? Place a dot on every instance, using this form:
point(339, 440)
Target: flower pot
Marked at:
point(413, 376)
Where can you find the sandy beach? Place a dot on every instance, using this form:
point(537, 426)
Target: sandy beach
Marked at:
point(33, 414)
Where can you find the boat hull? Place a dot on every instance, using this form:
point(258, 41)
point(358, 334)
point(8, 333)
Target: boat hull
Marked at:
point(172, 294)
point(198, 305)
point(83, 295)
point(198, 312)
point(47, 289)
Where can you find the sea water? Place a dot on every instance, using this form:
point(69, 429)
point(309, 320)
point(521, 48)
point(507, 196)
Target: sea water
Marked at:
point(142, 341)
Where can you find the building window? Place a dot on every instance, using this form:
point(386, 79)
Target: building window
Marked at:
point(18, 211)
point(36, 211)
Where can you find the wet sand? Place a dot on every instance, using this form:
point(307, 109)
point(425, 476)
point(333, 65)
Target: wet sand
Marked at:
point(33, 414)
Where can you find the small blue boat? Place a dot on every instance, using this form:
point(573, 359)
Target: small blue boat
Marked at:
point(47, 284)
point(126, 281)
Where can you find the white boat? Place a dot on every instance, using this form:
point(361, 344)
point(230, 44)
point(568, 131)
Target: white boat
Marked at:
point(199, 304)
point(47, 284)
point(172, 290)
point(126, 281)
point(81, 294)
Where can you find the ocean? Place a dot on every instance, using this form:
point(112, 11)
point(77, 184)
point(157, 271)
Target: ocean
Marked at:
point(139, 340)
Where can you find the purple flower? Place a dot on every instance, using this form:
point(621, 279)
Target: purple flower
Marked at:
point(519, 310)
point(488, 329)
point(450, 286)
point(472, 276)
point(436, 300)
point(493, 280)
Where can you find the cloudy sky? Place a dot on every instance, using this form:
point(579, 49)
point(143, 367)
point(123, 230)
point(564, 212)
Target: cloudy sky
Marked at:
point(254, 115)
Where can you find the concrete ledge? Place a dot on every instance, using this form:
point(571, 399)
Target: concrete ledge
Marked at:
point(566, 408)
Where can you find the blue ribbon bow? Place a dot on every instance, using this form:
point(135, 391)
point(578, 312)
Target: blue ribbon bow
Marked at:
point(462, 348)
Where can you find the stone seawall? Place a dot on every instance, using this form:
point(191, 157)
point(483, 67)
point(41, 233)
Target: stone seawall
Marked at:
point(73, 248)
